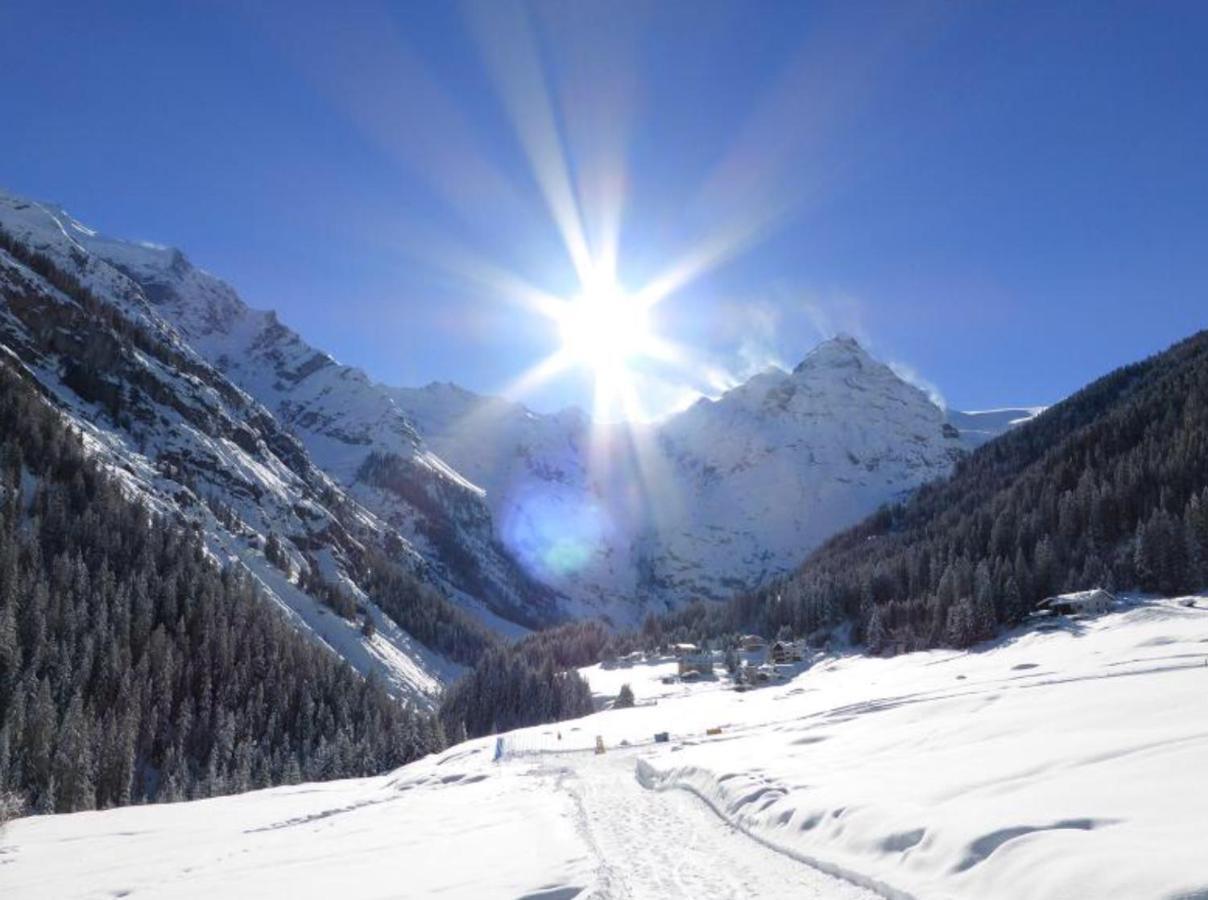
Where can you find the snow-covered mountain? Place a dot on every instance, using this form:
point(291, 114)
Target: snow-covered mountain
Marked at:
point(519, 517)
point(130, 341)
point(712, 500)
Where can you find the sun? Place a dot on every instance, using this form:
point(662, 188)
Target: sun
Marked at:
point(605, 330)
point(607, 333)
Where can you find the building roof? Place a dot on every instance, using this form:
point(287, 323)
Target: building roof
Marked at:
point(1076, 597)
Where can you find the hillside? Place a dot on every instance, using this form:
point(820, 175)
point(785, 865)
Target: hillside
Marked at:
point(334, 412)
point(190, 443)
point(132, 670)
point(1109, 487)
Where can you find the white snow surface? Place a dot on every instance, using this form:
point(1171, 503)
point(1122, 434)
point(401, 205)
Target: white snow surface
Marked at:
point(977, 427)
point(1060, 761)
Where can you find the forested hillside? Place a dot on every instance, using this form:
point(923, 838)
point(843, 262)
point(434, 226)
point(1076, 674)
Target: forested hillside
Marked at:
point(526, 683)
point(133, 670)
point(194, 445)
point(1109, 487)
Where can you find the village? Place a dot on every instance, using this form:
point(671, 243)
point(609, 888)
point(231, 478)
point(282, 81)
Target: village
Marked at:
point(752, 661)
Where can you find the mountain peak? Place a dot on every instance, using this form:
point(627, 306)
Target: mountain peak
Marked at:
point(840, 351)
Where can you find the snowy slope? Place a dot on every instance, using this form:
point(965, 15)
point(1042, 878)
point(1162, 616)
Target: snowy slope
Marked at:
point(336, 412)
point(191, 443)
point(980, 426)
point(713, 499)
point(1049, 764)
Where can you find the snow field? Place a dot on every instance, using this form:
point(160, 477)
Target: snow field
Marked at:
point(448, 826)
point(1060, 763)
point(1064, 763)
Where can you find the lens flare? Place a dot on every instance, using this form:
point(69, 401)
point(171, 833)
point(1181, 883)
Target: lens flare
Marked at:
point(554, 533)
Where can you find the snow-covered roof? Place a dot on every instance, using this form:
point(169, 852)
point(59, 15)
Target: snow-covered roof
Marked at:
point(1076, 597)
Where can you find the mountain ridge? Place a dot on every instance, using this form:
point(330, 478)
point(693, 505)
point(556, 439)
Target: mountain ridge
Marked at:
point(528, 518)
point(539, 478)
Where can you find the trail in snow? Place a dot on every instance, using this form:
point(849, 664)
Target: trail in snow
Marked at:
point(668, 844)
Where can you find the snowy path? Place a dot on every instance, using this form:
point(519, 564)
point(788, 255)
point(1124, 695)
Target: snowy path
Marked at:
point(668, 844)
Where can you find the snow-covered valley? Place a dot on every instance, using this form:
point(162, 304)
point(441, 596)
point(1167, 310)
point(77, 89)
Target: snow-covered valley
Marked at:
point(1062, 760)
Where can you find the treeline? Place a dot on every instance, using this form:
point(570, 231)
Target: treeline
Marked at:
point(527, 683)
point(418, 608)
point(424, 613)
point(132, 670)
point(100, 330)
point(1108, 488)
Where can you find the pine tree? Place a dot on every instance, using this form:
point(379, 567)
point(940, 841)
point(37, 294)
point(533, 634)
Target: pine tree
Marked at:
point(624, 698)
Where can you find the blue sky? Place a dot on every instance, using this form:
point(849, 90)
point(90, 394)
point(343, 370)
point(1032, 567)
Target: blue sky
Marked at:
point(1008, 199)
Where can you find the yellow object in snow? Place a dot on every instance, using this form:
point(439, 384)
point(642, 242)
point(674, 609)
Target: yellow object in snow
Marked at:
point(713, 731)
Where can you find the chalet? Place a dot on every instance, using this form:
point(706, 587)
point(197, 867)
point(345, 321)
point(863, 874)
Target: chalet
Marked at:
point(695, 666)
point(765, 673)
point(682, 650)
point(1081, 603)
point(785, 652)
point(753, 642)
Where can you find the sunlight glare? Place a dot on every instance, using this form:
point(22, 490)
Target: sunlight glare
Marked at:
point(604, 329)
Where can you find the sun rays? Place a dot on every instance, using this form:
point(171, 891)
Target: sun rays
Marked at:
point(566, 81)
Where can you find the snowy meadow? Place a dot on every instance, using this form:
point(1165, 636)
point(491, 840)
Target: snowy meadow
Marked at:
point(1062, 760)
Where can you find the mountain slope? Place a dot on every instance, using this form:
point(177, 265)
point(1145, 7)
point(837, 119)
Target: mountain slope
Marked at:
point(1109, 487)
point(131, 668)
point(337, 414)
point(195, 446)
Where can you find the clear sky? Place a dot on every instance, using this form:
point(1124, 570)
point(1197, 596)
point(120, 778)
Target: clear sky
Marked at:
point(1010, 199)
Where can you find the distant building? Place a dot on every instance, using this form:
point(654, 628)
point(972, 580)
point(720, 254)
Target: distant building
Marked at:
point(764, 673)
point(1080, 603)
point(682, 650)
point(785, 652)
point(695, 666)
point(753, 642)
